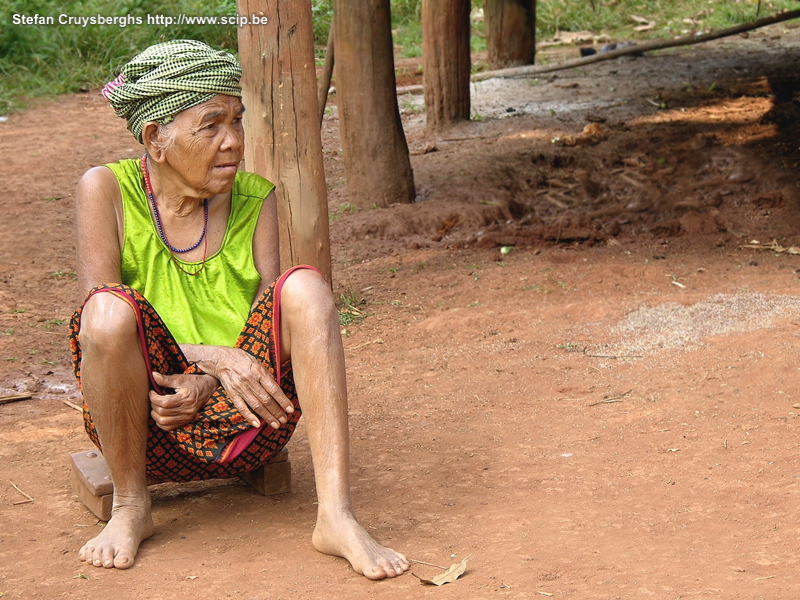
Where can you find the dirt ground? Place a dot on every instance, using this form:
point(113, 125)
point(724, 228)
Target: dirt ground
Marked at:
point(605, 411)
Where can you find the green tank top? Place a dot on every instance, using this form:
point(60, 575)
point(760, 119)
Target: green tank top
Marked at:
point(211, 307)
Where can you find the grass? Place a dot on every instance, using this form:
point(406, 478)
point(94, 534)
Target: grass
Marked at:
point(62, 274)
point(46, 60)
point(346, 208)
point(571, 347)
point(348, 304)
point(680, 17)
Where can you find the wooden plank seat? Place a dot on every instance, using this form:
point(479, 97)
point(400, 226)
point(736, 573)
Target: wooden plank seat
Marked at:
point(91, 480)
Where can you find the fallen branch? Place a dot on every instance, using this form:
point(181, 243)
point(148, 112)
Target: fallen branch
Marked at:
point(613, 356)
point(639, 48)
point(15, 398)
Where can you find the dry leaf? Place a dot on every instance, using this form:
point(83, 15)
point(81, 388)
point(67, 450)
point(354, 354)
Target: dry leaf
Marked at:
point(645, 24)
point(574, 37)
point(449, 576)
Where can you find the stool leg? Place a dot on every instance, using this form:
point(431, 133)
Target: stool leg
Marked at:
point(271, 478)
point(91, 482)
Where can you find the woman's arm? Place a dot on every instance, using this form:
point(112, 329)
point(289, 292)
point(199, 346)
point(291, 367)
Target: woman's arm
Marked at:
point(250, 386)
point(100, 229)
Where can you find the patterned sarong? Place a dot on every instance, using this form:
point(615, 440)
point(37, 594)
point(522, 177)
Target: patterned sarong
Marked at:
point(219, 442)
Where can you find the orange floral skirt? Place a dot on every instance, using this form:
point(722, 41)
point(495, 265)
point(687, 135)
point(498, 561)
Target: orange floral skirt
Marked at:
point(219, 442)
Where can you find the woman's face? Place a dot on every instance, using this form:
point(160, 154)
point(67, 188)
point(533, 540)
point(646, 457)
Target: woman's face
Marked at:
point(208, 145)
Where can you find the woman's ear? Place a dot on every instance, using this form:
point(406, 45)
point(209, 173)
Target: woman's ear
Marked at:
point(150, 139)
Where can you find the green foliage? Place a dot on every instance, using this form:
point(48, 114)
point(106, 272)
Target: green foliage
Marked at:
point(668, 16)
point(48, 59)
point(44, 60)
point(322, 18)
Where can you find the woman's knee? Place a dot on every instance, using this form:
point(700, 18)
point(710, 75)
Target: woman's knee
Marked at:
point(306, 290)
point(107, 319)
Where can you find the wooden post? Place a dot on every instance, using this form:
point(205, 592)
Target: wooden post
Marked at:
point(282, 134)
point(374, 148)
point(446, 61)
point(510, 32)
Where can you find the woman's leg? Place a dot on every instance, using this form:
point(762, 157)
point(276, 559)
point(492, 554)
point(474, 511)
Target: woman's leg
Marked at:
point(115, 386)
point(310, 336)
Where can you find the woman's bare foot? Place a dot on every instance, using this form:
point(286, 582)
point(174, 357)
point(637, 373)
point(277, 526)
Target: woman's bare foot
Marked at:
point(119, 541)
point(341, 535)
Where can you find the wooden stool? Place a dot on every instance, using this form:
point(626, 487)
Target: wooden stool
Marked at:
point(91, 480)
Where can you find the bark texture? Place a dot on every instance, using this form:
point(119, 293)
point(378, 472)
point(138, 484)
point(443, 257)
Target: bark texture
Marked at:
point(510, 32)
point(376, 160)
point(446, 61)
point(282, 134)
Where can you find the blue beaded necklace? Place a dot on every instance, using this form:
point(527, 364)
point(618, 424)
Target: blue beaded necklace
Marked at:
point(160, 228)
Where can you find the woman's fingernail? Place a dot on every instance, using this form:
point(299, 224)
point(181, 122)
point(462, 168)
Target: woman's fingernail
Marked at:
point(256, 423)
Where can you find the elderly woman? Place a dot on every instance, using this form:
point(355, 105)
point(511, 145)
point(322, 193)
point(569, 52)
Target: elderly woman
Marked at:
point(191, 348)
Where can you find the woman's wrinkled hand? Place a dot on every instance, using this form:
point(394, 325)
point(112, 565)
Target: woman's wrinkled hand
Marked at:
point(250, 386)
point(171, 411)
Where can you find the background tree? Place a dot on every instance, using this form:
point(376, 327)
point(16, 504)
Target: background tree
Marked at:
point(510, 32)
point(376, 160)
point(446, 61)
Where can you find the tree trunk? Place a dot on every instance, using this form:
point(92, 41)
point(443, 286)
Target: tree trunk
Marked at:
point(282, 135)
point(327, 73)
point(446, 61)
point(374, 148)
point(510, 32)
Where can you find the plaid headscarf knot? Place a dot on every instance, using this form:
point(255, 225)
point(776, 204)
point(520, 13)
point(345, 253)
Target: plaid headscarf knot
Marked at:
point(168, 78)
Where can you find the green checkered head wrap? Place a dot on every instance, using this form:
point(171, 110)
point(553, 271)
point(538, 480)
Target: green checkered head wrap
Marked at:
point(168, 78)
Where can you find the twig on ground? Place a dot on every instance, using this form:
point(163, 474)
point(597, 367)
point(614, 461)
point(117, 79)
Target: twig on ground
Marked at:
point(378, 341)
point(422, 562)
point(29, 498)
point(774, 247)
point(614, 356)
point(619, 398)
point(71, 405)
